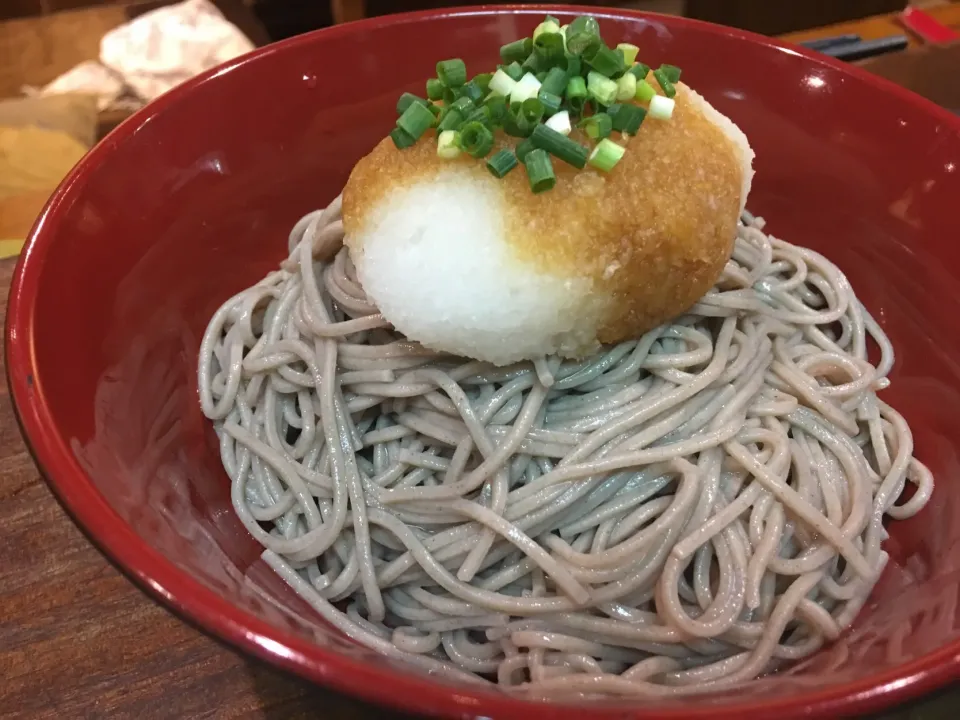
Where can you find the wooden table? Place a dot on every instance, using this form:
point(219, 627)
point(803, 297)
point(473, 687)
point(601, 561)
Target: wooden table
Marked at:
point(77, 640)
point(879, 26)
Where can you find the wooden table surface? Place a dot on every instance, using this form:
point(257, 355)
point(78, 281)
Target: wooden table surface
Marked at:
point(77, 640)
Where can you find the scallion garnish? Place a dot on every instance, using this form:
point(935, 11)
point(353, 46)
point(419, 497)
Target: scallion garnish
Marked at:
point(551, 103)
point(526, 88)
point(502, 83)
point(451, 120)
point(447, 147)
point(664, 82)
point(606, 154)
point(626, 87)
point(639, 71)
point(475, 139)
point(408, 99)
point(401, 138)
point(513, 71)
point(601, 88)
point(560, 77)
point(560, 122)
point(516, 51)
point(626, 118)
point(555, 82)
point(597, 127)
point(645, 92)
point(539, 171)
point(661, 107)
point(415, 120)
point(560, 146)
point(629, 52)
point(671, 73)
point(452, 73)
point(501, 163)
point(576, 94)
point(607, 62)
point(523, 147)
point(435, 89)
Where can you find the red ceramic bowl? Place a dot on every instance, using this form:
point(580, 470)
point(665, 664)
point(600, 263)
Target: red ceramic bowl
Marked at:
point(192, 199)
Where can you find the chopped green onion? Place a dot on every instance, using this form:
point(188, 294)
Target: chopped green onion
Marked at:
point(406, 100)
point(480, 114)
point(452, 73)
point(629, 52)
point(571, 64)
point(475, 139)
point(502, 83)
point(600, 88)
point(463, 104)
point(483, 81)
point(626, 87)
point(517, 51)
point(645, 92)
point(541, 76)
point(539, 171)
point(664, 82)
point(559, 146)
point(534, 64)
point(626, 118)
point(548, 47)
point(526, 88)
point(597, 127)
point(532, 110)
point(560, 122)
point(671, 73)
point(576, 93)
point(501, 163)
point(497, 104)
point(551, 103)
point(435, 89)
point(605, 155)
point(415, 120)
point(639, 71)
point(451, 120)
point(551, 18)
point(450, 95)
point(473, 91)
point(583, 36)
point(555, 82)
point(523, 147)
point(447, 147)
point(607, 62)
point(548, 27)
point(401, 138)
point(661, 107)
point(515, 124)
point(513, 71)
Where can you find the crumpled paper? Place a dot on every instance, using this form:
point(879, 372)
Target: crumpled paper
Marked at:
point(154, 53)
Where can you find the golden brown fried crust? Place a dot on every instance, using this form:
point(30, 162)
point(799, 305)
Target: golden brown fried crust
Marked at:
point(653, 234)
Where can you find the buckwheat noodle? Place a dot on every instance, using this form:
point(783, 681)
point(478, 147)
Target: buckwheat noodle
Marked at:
point(677, 514)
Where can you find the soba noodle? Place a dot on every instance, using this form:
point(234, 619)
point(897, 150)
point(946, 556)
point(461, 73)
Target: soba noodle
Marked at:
point(677, 514)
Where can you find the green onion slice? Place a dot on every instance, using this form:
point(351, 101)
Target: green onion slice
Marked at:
point(601, 88)
point(560, 122)
point(626, 87)
point(664, 82)
point(639, 71)
point(415, 120)
point(645, 92)
point(501, 163)
point(523, 147)
point(548, 139)
point(447, 147)
point(452, 73)
point(401, 138)
point(475, 139)
point(606, 155)
point(539, 171)
point(406, 100)
point(629, 52)
point(597, 127)
point(451, 120)
point(555, 82)
point(662, 107)
point(551, 103)
point(671, 73)
point(513, 70)
point(435, 89)
point(501, 83)
point(526, 88)
point(517, 51)
point(607, 62)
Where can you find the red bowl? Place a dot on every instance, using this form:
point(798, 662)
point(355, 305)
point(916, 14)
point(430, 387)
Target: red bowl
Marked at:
point(192, 199)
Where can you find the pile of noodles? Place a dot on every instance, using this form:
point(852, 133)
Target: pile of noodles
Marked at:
point(680, 513)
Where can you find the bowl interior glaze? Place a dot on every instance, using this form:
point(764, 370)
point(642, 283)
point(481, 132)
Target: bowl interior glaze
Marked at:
point(192, 200)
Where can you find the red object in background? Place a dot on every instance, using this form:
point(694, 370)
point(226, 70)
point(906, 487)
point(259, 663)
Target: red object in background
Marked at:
point(927, 27)
point(192, 199)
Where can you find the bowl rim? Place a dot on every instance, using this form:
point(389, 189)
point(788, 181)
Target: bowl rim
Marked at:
point(192, 601)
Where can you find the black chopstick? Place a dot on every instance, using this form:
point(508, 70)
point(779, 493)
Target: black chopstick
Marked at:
point(828, 42)
point(862, 49)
